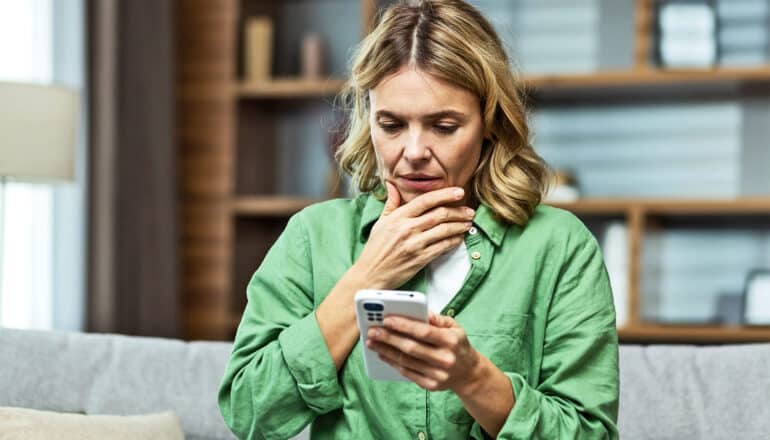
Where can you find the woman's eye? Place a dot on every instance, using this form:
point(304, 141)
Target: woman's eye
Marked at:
point(390, 127)
point(446, 129)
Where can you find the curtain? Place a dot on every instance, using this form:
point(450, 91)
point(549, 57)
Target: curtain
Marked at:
point(133, 198)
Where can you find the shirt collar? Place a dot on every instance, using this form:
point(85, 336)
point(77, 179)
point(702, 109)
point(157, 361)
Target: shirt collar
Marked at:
point(490, 224)
point(485, 219)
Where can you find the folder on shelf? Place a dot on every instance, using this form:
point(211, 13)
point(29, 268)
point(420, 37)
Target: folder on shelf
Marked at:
point(258, 48)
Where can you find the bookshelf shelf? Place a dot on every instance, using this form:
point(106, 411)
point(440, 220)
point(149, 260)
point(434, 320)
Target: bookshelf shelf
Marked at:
point(648, 76)
point(647, 79)
point(714, 334)
point(269, 206)
point(278, 88)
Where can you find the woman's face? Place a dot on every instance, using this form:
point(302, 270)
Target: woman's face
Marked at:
point(427, 133)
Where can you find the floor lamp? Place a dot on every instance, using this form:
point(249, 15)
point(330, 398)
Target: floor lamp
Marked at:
point(37, 139)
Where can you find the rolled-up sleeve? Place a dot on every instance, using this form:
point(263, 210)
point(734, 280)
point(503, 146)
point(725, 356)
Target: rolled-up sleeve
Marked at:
point(280, 375)
point(577, 393)
point(311, 365)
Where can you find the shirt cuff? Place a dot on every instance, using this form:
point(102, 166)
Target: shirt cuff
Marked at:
point(310, 363)
point(523, 419)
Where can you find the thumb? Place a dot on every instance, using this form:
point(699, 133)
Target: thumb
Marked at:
point(394, 199)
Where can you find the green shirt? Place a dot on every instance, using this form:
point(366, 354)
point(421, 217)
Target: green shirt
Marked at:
point(537, 302)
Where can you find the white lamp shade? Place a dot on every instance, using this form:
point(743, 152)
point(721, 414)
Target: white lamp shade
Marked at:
point(37, 131)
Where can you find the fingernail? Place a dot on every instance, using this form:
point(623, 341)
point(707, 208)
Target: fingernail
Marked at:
point(374, 333)
point(468, 225)
point(459, 193)
point(470, 211)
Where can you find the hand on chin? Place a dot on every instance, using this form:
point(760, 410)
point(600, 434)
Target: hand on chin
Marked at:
point(407, 195)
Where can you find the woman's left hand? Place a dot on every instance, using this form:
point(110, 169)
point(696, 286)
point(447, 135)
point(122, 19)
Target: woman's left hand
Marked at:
point(434, 355)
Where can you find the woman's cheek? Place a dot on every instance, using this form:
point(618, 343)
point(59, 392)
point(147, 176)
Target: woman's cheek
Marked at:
point(385, 157)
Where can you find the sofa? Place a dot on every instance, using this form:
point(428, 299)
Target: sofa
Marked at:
point(667, 392)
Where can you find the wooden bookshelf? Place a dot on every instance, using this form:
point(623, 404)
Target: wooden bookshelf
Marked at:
point(206, 116)
point(229, 220)
point(290, 88)
point(641, 216)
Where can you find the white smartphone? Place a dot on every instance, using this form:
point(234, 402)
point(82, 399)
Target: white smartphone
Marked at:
point(371, 308)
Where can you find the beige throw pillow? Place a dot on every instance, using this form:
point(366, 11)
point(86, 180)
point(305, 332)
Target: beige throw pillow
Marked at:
point(28, 424)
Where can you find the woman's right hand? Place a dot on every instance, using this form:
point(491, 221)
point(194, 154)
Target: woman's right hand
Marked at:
point(406, 238)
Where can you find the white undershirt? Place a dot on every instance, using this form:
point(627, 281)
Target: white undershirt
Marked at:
point(445, 277)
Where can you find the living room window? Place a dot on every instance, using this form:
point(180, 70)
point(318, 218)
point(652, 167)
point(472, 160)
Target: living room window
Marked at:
point(43, 248)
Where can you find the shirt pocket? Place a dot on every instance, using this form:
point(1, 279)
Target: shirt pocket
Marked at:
point(505, 340)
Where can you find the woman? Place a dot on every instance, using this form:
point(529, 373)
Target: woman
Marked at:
point(521, 342)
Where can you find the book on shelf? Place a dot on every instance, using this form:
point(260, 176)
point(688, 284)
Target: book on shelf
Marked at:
point(564, 36)
point(258, 48)
point(744, 32)
point(750, 34)
point(547, 37)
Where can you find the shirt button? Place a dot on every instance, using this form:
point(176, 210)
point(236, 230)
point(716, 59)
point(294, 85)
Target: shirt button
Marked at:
point(476, 255)
point(421, 435)
point(473, 230)
point(450, 313)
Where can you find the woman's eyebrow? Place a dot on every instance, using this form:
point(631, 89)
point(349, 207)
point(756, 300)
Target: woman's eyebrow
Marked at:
point(429, 117)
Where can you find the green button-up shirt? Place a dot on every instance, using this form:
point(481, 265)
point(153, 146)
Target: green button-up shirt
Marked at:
point(536, 302)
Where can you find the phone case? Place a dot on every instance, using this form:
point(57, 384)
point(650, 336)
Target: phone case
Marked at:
point(371, 307)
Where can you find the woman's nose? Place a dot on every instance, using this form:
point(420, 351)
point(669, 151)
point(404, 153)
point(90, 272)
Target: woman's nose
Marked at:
point(416, 148)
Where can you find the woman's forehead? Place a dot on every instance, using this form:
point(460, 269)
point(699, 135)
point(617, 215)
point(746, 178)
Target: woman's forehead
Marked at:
point(411, 93)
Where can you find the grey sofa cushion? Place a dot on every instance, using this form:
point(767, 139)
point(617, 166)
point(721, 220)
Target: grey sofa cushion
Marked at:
point(113, 374)
point(685, 392)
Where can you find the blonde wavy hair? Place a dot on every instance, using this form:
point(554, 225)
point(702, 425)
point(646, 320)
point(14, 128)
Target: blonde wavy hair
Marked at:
point(450, 40)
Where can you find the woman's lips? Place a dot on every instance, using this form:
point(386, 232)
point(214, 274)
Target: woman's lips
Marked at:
point(420, 184)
